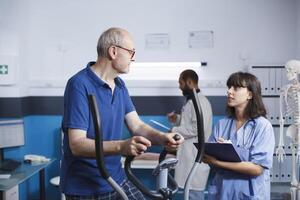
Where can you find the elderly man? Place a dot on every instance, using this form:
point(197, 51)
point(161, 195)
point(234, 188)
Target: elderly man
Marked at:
point(80, 178)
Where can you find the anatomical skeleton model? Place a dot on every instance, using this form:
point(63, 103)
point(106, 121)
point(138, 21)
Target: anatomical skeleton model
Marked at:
point(290, 106)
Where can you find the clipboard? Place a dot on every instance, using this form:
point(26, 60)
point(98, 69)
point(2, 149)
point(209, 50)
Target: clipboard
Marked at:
point(221, 151)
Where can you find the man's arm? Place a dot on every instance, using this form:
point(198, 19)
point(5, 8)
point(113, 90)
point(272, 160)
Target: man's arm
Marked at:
point(138, 127)
point(80, 145)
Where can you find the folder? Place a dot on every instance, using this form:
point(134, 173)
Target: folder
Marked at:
point(221, 151)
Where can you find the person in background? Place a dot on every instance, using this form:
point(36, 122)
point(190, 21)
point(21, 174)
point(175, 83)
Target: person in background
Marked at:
point(253, 138)
point(186, 125)
point(80, 178)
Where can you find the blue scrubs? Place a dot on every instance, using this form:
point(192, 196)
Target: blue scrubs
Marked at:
point(80, 176)
point(254, 142)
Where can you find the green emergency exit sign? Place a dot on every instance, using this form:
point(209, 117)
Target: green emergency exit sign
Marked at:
point(3, 69)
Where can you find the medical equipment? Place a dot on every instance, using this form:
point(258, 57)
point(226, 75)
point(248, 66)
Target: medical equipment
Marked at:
point(161, 170)
point(5, 176)
point(99, 147)
point(165, 191)
point(11, 134)
point(200, 148)
point(165, 183)
point(35, 158)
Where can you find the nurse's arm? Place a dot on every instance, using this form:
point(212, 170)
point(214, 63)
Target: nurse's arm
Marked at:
point(248, 168)
point(81, 145)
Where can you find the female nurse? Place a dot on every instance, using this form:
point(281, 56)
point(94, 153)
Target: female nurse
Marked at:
point(253, 138)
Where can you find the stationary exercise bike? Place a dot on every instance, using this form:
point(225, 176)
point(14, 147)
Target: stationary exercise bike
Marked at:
point(99, 147)
point(161, 171)
point(200, 146)
point(166, 185)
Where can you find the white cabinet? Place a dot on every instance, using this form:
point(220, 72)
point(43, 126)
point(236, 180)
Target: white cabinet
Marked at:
point(11, 194)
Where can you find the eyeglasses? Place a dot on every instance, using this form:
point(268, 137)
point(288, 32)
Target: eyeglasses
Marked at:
point(132, 52)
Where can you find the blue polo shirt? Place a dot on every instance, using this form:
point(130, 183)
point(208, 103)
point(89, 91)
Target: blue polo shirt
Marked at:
point(80, 176)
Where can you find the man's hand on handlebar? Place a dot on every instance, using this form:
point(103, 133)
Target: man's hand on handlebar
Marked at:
point(134, 146)
point(172, 141)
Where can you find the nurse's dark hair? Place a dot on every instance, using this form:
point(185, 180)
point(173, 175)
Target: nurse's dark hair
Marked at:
point(189, 74)
point(255, 107)
point(110, 37)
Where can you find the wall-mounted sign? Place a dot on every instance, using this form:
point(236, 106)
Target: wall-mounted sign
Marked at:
point(7, 70)
point(201, 39)
point(157, 41)
point(3, 69)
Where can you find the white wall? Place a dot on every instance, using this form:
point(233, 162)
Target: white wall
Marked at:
point(298, 30)
point(52, 39)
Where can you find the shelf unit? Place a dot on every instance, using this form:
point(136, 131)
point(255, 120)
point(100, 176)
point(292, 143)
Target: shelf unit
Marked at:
point(272, 79)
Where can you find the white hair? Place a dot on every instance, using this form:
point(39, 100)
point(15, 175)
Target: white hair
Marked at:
point(294, 65)
point(112, 36)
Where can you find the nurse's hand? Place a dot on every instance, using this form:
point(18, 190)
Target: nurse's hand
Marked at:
point(209, 160)
point(220, 140)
